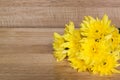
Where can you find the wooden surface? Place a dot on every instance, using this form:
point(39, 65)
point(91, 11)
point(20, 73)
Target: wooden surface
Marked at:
point(26, 36)
point(26, 54)
point(54, 13)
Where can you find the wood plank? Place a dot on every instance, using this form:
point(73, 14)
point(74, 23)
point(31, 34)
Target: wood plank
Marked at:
point(59, 3)
point(26, 54)
point(42, 17)
point(41, 67)
point(24, 40)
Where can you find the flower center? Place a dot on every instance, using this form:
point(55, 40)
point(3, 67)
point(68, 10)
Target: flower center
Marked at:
point(96, 31)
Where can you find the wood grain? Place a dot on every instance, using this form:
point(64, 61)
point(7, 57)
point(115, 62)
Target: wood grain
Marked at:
point(54, 13)
point(43, 17)
point(60, 3)
point(26, 36)
point(26, 40)
point(26, 54)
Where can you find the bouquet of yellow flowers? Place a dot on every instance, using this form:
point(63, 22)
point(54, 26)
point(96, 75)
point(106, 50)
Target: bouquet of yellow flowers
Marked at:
point(94, 47)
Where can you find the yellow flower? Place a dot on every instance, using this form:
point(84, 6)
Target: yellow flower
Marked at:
point(95, 47)
point(78, 64)
point(115, 40)
point(92, 49)
point(106, 66)
point(72, 37)
point(60, 52)
point(68, 44)
point(69, 29)
point(96, 28)
point(58, 41)
point(114, 43)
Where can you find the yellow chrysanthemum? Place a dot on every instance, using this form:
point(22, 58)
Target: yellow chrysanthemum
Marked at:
point(115, 40)
point(106, 66)
point(68, 44)
point(78, 64)
point(60, 52)
point(96, 28)
point(92, 49)
point(72, 38)
point(95, 47)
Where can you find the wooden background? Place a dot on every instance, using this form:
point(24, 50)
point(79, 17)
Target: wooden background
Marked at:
point(54, 13)
point(26, 36)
